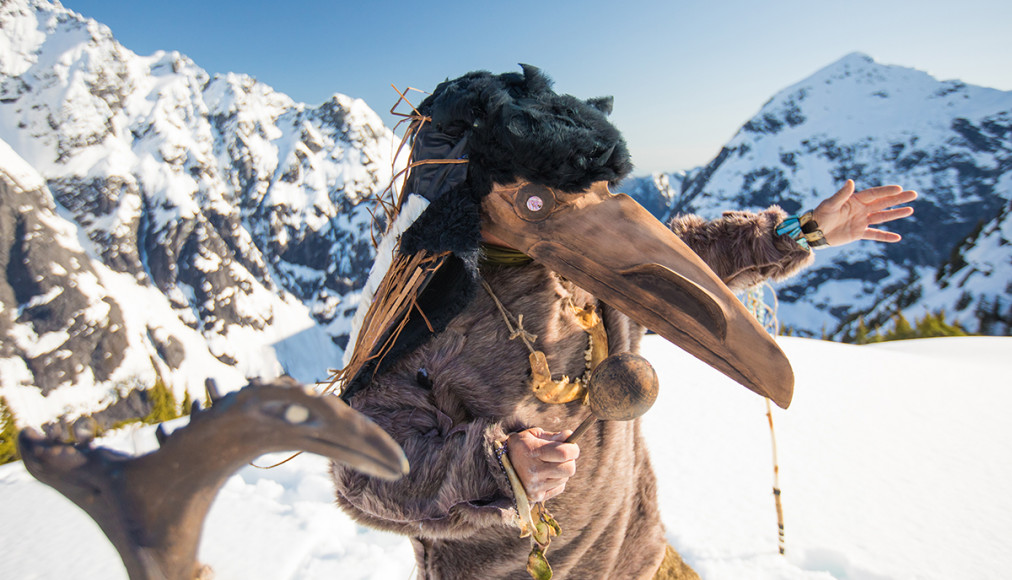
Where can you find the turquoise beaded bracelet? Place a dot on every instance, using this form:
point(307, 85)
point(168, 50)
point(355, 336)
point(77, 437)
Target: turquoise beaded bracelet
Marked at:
point(804, 230)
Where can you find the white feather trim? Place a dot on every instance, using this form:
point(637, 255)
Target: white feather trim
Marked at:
point(413, 207)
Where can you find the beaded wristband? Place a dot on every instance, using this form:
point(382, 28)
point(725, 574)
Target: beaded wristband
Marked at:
point(804, 230)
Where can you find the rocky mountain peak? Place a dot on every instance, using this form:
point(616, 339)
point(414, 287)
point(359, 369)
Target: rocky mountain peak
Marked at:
point(877, 124)
point(158, 223)
point(223, 225)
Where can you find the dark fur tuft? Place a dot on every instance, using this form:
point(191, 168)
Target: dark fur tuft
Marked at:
point(518, 127)
point(509, 126)
point(450, 223)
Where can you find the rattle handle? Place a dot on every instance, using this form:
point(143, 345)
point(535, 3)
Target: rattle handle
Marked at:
point(590, 420)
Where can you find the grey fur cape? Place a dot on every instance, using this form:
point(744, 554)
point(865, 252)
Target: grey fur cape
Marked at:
point(447, 401)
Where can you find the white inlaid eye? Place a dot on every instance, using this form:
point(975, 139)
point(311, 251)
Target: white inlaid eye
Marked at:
point(296, 414)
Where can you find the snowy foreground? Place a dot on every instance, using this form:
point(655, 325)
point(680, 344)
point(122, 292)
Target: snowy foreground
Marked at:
point(895, 463)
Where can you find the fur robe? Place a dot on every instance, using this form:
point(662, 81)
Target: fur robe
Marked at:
point(449, 400)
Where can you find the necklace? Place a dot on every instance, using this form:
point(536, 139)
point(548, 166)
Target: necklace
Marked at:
point(545, 388)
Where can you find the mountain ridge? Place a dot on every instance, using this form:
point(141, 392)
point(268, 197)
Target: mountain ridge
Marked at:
point(224, 221)
point(209, 226)
point(876, 124)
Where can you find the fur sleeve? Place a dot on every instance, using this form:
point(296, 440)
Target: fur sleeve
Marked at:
point(743, 247)
point(494, 433)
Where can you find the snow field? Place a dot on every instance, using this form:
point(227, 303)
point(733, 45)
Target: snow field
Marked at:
point(893, 457)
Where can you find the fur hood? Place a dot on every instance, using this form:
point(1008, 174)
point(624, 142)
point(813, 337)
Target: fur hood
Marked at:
point(509, 126)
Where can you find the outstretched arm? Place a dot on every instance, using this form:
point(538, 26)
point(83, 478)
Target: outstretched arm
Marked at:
point(744, 249)
point(847, 216)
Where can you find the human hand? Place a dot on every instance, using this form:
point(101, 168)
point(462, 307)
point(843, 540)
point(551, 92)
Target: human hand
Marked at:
point(846, 216)
point(543, 460)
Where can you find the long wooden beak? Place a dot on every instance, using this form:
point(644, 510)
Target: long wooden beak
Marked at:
point(610, 246)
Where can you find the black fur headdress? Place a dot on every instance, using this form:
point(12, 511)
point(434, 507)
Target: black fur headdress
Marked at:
point(509, 126)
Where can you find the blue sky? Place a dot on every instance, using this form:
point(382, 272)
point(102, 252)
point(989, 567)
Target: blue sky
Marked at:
point(685, 74)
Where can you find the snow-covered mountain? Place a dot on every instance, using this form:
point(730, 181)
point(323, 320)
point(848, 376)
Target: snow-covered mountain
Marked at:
point(175, 225)
point(160, 223)
point(876, 124)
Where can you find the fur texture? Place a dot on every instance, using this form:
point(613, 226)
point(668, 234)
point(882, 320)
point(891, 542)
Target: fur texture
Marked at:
point(742, 248)
point(451, 223)
point(510, 126)
point(518, 127)
point(447, 400)
point(456, 503)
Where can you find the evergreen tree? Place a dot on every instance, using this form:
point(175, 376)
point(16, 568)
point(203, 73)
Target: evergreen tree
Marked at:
point(901, 329)
point(964, 301)
point(929, 326)
point(990, 317)
point(935, 325)
point(8, 434)
point(861, 335)
point(163, 404)
point(876, 335)
point(187, 403)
